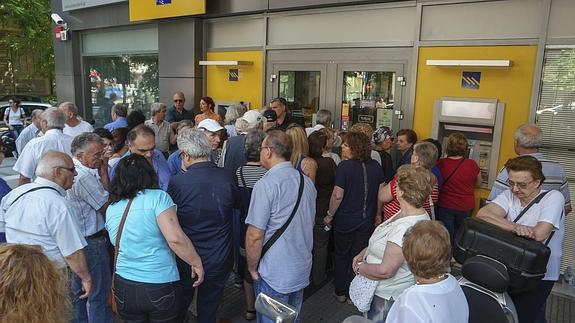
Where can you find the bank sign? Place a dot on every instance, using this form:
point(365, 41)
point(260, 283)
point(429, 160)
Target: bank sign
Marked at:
point(156, 9)
point(68, 5)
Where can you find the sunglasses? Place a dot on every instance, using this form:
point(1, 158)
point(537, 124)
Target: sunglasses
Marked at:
point(178, 100)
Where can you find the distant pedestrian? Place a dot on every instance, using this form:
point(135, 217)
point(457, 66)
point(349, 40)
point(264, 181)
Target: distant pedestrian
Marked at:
point(119, 113)
point(31, 131)
point(15, 118)
point(74, 125)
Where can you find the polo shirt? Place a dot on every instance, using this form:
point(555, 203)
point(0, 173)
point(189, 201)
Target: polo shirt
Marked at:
point(160, 166)
point(119, 123)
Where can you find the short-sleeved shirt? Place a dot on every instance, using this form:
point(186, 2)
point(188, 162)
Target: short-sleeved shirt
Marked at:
point(29, 133)
point(324, 183)
point(440, 302)
point(356, 207)
point(392, 231)
point(144, 254)
point(42, 217)
point(87, 196)
point(458, 192)
point(555, 179)
point(247, 177)
point(121, 122)
point(163, 132)
point(172, 115)
point(53, 139)
point(79, 129)
point(160, 166)
point(392, 207)
point(175, 163)
point(273, 199)
point(549, 210)
point(200, 117)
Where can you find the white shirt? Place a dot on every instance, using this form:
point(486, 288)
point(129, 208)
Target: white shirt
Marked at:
point(53, 139)
point(310, 130)
point(441, 302)
point(375, 156)
point(392, 231)
point(87, 196)
point(15, 118)
point(550, 210)
point(80, 128)
point(29, 133)
point(42, 217)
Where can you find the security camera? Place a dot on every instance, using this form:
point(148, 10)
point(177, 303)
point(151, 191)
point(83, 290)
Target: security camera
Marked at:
point(57, 19)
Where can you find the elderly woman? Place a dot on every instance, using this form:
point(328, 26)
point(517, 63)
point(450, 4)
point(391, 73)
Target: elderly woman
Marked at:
point(207, 107)
point(424, 155)
point(300, 153)
point(436, 295)
point(383, 259)
point(460, 176)
point(146, 281)
point(353, 206)
point(543, 222)
point(233, 113)
point(165, 136)
point(368, 131)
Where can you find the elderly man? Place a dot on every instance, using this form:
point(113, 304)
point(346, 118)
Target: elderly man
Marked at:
point(165, 136)
point(175, 159)
point(322, 120)
point(206, 197)
point(39, 214)
point(284, 270)
point(142, 141)
point(528, 139)
point(119, 113)
point(233, 152)
point(30, 132)
point(74, 125)
point(88, 196)
point(177, 112)
point(280, 106)
point(212, 129)
point(52, 124)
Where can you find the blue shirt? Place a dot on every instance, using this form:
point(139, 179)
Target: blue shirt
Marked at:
point(4, 189)
point(438, 175)
point(175, 163)
point(206, 197)
point(144, 254)
point(160, 166)
point(119, 123)
point(287, 264)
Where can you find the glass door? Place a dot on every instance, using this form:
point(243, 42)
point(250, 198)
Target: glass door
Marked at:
point(370, 93)
point(303, 86)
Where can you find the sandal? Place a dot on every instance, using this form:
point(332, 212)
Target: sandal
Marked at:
point(250, 315)
point(340, 298)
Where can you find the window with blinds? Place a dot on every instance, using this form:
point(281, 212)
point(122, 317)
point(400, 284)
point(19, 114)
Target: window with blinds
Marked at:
point(556, 117)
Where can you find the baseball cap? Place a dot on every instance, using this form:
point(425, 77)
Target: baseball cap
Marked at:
point(381, 134)
point(252, 117)
point(270, 115)
point(210, 125)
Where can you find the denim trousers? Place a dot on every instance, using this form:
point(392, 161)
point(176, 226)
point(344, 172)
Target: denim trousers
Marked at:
point(95, 308)
point(147, 302)
point(452, 220)
point(16, 131)
point(531, 305)
point(347, 245)
point(295, 299)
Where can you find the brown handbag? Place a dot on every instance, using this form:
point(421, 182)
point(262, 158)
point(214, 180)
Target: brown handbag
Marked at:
point(112, 297)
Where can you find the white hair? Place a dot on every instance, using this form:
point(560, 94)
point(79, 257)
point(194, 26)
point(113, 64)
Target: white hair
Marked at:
point(195, 143)
point(50, 160)
point(157, 107)
point(241, 125)
point(528, 136)
point(55, 118)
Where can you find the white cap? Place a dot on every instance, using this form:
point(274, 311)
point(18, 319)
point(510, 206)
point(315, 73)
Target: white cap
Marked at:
point(252, 117)
point(210, 125)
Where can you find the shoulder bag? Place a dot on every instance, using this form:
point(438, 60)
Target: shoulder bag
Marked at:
point(112, 297)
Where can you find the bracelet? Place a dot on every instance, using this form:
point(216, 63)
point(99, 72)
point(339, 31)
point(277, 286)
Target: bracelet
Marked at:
point(329, 215)
point(358, 265)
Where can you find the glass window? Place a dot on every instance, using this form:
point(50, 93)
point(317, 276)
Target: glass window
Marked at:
point(368, 98)
point(556, 117)
point(301, 90)
point(128, 79)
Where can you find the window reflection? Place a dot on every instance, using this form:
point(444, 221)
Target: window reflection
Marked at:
point(301, 90)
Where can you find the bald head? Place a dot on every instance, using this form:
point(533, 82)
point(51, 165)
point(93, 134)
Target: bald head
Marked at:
point(50, 161)
point(528, 138)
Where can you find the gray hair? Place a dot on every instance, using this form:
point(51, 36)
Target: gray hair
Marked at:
point(528, 136)
point(253, 143)
point(233, 113)
point(241, 125)
point(81, 143)
point(427, 153)
point(55, 118)
point(120, 109)
point(280, 143)
point(157, 107)
point(50, 160)
point(195, 143)
point(71, 107)
point(184, 124)
point(36, 113)
point(323, 117)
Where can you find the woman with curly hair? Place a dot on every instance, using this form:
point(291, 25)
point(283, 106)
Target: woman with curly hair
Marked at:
point(32, 288)
point(353, 206)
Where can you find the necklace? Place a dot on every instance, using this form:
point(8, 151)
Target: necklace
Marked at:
point(431, 280)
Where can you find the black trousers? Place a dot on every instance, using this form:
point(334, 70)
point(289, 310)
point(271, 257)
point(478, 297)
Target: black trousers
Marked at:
point(531, 305)
point(347, 245)
point(146, 302)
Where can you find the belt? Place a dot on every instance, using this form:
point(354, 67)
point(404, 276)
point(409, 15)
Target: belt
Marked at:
point(99, 234)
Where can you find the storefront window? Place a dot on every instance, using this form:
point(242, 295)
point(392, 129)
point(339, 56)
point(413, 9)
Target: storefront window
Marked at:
point(301, 90)
point(128, 79)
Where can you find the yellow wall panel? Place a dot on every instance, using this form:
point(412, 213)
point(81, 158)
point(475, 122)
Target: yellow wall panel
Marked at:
point(149, 9)
point(511, 86)
point(249, 86)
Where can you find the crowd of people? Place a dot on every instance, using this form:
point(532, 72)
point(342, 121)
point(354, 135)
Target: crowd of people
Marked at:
point(159, 213)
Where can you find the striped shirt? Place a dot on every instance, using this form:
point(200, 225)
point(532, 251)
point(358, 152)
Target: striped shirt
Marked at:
point(555, 179)
point(392, 207)
point(251, 174)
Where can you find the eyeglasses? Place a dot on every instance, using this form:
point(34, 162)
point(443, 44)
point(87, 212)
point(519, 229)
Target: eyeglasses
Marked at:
point(266, 147)
point(519, 185)
point(71, 169)
point(177, 100)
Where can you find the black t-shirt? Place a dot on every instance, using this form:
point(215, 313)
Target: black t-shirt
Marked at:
point(324, 183)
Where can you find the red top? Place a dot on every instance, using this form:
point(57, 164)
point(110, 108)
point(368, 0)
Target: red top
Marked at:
point(392, 207)
point(457, 191)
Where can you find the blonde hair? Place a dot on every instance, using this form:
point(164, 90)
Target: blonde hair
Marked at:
point(32, 288)
point(299, 142)
point(416, 183)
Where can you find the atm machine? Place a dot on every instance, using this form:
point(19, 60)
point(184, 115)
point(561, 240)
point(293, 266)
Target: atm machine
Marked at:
point(481, 121)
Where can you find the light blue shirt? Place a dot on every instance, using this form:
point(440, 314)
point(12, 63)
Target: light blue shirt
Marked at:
point(287, 264)
point(160, 166)
point(119, 123)
point(144, 255)
point(25, 136)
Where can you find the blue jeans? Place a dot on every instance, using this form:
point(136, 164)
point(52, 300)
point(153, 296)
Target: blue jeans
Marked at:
point(16, 131)
point(295, 299)
point(452, 220)
point(95, 308)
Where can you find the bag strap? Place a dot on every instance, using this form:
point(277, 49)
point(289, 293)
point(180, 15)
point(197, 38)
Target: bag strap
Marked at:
point(453, 172)
point(118, 237)
point(365, 189)
point(242, 177)
point(535, 201)
point(35, 189)
point(553, 232)
point(281, 230)
point(431, 207)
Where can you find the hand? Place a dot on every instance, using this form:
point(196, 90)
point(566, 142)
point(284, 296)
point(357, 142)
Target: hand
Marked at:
point(378, 220)
point(255, 275)
point(357, 259)
point(327, 220)
point(197, 271)
point(524, 231)
point(86, 287)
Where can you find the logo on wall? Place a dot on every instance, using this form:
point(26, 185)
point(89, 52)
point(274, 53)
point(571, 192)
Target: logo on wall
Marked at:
point(471, 80)
point(161, 2)
point(234, 75)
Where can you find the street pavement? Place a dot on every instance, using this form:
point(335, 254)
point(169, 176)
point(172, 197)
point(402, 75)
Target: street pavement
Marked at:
point(6, 172)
